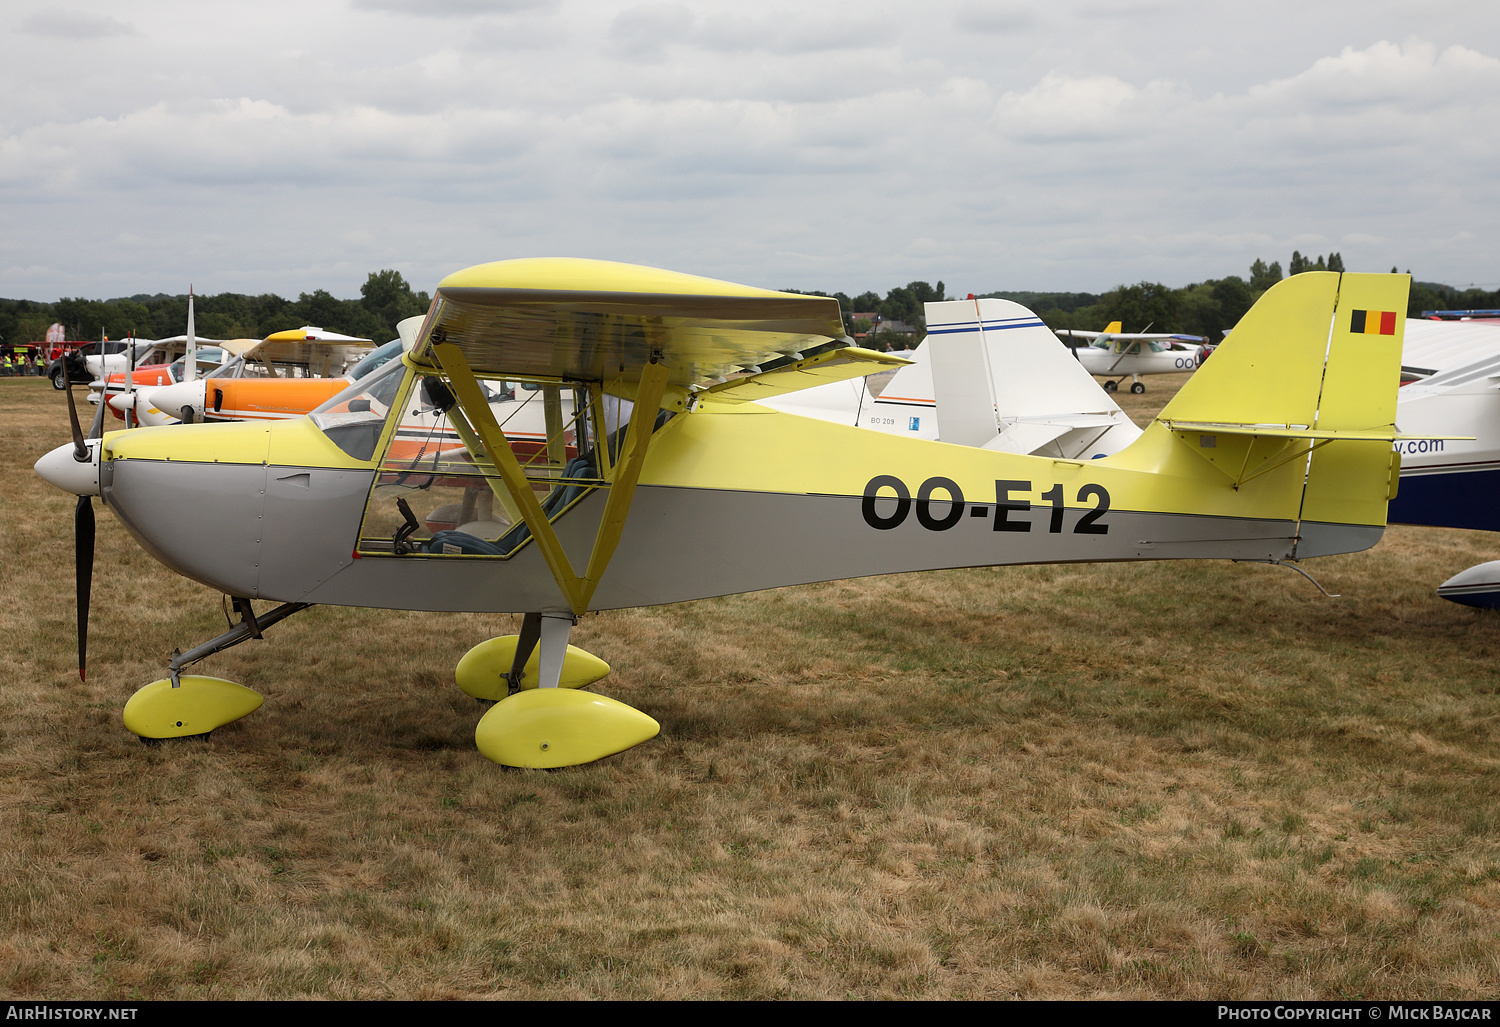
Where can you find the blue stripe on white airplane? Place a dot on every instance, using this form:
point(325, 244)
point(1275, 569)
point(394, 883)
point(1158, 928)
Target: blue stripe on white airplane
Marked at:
point(988, 326)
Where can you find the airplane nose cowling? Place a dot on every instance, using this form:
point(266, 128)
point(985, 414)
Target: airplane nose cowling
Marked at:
point(171, 399)
point(62, 468)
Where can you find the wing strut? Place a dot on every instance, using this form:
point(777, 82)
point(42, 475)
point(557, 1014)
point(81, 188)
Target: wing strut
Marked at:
point(577, 589)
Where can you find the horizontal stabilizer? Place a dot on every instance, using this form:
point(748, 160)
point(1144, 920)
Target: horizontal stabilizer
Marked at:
point(1026, 437)
point(1294, 431)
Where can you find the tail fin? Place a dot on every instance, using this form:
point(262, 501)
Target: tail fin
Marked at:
point(1320, 350)
point(1001, 381)
point(1113, 328)
point(1310, 371)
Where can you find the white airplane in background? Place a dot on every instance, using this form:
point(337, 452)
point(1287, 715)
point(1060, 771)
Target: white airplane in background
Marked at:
point(1116, 354)
point(990, 375)
point(1451, 387)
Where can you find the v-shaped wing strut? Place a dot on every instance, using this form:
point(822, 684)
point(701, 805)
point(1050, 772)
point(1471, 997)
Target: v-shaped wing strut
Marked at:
point(577, 589)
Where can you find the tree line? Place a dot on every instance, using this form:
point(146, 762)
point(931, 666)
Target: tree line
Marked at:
point(1205, 308)
point(385, 299)
point(1211, 307)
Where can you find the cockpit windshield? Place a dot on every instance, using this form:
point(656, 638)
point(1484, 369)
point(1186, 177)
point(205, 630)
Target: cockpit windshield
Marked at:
point(209, 360)
point(354, 418)
point(377, 359)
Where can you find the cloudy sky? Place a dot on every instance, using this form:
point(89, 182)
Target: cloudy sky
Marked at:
point(288, 146)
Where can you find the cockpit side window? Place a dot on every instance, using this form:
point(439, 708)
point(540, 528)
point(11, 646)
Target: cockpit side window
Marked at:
point(439, 493)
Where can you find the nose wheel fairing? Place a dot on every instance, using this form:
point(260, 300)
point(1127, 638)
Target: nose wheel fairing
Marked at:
point(193, 705)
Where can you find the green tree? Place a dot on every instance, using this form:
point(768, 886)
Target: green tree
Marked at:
point(387, 297)
point(1263, 277)
point(1212, 307)
point(1147, 305)
point(845, 303)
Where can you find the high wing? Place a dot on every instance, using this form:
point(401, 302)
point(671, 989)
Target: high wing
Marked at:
point(530, 318)
point(320, 353)
point(1078, 333)
point(641, 333)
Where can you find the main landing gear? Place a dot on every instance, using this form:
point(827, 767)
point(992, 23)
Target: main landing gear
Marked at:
point(539, 718)
point(1135, 386)
point(191, 706)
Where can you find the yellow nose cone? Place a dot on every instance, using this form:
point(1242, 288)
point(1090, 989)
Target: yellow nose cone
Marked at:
point(559, 727)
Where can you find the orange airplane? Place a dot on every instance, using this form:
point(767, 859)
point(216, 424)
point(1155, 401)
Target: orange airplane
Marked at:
point(286, 375)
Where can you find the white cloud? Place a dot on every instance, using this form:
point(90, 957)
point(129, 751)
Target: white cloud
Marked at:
point(1095, 107)
point(996, 17)
point(68, 24)
point(844, 147)
point(1415, 77)
point(451, 8)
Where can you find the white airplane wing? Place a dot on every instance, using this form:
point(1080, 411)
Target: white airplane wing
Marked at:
point(1431, 347)
point(1078, 333)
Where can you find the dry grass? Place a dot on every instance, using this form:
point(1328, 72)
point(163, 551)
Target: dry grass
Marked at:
point(1179, 780)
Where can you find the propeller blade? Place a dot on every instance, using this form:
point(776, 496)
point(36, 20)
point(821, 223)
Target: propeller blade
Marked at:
point(83, 556)
point(80, 451)
point(97, 428)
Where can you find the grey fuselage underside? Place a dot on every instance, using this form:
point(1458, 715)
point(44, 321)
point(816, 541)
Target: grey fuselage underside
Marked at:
point(289, 534)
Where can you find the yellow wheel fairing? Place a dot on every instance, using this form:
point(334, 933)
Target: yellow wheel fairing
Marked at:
point(200, 705)
point(557, 727)
point(481, 672)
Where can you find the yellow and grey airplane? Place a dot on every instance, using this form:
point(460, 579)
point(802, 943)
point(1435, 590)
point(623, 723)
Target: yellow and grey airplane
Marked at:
point(662, 479)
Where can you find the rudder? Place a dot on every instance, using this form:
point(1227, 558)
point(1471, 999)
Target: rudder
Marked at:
point(1306, 385)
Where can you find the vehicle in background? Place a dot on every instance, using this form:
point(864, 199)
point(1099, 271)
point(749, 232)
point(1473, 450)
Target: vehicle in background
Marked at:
point(68, 361)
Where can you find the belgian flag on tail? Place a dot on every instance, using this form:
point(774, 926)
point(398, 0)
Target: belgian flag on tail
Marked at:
point(1372, 322)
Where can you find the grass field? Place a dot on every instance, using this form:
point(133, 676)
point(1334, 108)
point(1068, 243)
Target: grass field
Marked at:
point(1182, 780)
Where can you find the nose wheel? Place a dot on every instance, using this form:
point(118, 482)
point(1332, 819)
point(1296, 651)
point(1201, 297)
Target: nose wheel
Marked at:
point(191, 705)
